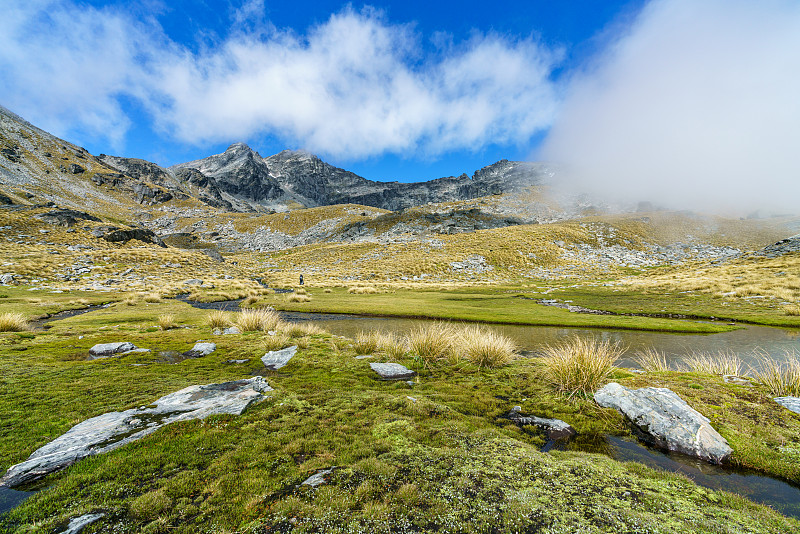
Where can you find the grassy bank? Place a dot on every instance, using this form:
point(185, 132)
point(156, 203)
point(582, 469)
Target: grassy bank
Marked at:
point(435, 456)
point(472, 304)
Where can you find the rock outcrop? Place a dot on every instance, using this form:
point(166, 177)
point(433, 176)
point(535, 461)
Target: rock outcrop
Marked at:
point(666, 420)
point(112, 430)
point(553, 428)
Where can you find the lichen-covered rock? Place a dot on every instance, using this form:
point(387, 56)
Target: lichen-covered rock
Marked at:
point(275, 359)
point(77, 524)
point(554, 428)
point(790, 403)
point(667, 420)
point(392, 371)
point(112, 430)
point(200, 349)
point(104, 350)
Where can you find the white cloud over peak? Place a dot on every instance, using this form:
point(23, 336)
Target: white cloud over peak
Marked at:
point(352, 87)
point(696, 105)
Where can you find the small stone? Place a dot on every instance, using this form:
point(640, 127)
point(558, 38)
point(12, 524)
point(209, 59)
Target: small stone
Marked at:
point(392, 371)
point(237, 361)
point(231, 330)
point(365, 356)
point(275, 359)
point(554, 428)
point(193, 282)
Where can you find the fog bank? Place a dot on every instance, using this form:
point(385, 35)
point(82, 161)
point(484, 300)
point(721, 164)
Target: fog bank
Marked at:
point(696, 105)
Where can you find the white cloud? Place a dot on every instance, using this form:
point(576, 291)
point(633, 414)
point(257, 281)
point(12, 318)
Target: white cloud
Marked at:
point(695, 106)
point(352, 87)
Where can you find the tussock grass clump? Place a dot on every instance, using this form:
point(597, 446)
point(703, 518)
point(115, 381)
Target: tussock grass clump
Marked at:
point(249, 301)
point(651, 360)
point(152, 297)
point(721, 363)
point(276, 342)
point(431, 342)
point(255, 320)
point(301, 329)
point(13, 322)
point(792, 310)
point(166, 321)
point(392, 345)
point(483, 346)
point(327, 290)
point(366, 342)
point(363, 290)
point(782, 379)
point(300, 291)
point(580, 365)
point(218, 319)
point(130, 301)
point(297, 297)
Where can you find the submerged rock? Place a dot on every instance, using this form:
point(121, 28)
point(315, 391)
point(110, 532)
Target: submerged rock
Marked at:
point(275, 359)
point(317, 479)
point(790, 403)
point(392, 371)
point(112, 430)
point(666, 420)
point(104, 350)
point(554, 428)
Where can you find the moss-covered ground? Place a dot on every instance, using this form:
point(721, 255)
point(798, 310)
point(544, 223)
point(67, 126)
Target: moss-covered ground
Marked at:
point(435, 456)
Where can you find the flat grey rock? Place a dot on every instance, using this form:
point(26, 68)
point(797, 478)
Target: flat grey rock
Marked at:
point(790, 403)
point(231, 330)
point(392, 371)
point(193, 282)
point(200, 349)
point(364, 356)
point(317, 479)
point(667, 420)
point(554, 428)
point(104, 350)
point(77, 524)
point(112, 430)
point(275, 359)
point(237, 361)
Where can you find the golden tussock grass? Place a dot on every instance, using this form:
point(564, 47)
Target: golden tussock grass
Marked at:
point(363, 290)
point(301, 329)
point(13, 322)
point(580, 365)
point(779, 378)
point(721, 363)
point(152, 297)
point(651, 360)
point(482, 346)
point(260, 319)
point(166, 321)
point(792, 310)
point(295, 297)
point(431, 342)
point(276, 342)
point(218, 319)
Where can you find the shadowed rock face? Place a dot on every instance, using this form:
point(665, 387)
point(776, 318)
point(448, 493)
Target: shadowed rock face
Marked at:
point(300, 176)
point(112, 430)
point(666, 420)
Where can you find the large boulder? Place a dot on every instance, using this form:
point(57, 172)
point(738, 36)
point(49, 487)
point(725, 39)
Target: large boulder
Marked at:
point(123, 235)
point(666, 420)
point(66, 217)
point(112, 430)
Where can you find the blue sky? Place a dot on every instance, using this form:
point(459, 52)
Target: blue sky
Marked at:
point(126, 123)
point(684, 102)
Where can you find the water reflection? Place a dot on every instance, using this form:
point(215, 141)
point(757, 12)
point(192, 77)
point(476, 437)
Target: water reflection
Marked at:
point(743, 342)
